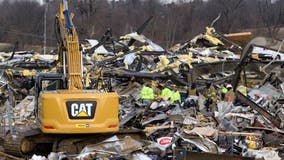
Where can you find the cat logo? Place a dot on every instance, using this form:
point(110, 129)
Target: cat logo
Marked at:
point(81, 109)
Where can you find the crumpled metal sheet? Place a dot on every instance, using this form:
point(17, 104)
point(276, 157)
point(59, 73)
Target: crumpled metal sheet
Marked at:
point(140, 156)
point(265, 154)
point(203, 143)
point(267, 91)
point(113, 146)
point(141, 38)
point(158, 117)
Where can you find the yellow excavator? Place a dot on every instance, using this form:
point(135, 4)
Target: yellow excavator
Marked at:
point(65, 113)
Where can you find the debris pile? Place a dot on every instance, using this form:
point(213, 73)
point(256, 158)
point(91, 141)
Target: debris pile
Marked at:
point(178, 115)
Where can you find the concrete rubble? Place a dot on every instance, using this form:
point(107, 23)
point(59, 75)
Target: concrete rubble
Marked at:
point(245, 124)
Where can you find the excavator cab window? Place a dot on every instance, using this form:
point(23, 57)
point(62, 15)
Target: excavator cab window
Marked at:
point(50, 82)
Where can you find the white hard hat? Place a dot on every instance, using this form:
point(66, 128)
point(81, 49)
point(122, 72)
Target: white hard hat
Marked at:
point(229, 86)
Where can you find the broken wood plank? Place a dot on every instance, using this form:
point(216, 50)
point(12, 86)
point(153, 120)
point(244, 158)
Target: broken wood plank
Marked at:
point(239, 134)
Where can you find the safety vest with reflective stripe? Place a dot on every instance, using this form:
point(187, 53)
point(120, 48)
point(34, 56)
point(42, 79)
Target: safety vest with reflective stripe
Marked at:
point(166, 92)
point(176, 97)
point(224, 90)
point(147, 93)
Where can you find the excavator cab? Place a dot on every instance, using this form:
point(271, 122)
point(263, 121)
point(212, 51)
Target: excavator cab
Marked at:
point(48, 82)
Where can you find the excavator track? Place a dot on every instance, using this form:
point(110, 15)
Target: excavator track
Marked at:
point(25, 146)
point(18, 145)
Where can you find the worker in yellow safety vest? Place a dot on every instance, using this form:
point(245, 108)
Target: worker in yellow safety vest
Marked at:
point(146, 94)
point(166, 92)
point(175, 95)
point(224, 90)
point(230, 95)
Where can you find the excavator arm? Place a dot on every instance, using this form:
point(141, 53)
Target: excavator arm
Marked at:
point(70, 57)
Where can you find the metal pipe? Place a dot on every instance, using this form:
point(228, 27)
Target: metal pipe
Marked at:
point(64, 63)
point(82, 65)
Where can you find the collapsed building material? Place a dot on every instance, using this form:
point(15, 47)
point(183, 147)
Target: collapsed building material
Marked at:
point(187, 155)
point(197, 124)
point(263, 154)
point(259, 109)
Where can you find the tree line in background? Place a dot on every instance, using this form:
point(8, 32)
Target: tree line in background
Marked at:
point(23, 20)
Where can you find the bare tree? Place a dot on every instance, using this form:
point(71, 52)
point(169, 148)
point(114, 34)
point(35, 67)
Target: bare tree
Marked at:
point(271, 15)
point(22, 20)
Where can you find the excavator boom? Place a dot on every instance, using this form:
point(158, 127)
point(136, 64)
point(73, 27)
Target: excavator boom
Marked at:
point(70, 56)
